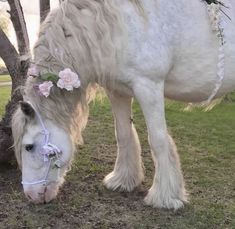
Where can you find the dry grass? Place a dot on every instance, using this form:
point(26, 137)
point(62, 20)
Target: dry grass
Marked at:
point(206, 145)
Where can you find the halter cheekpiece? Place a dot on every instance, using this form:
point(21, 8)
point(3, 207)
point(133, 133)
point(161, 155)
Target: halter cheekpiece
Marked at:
point(50, 152)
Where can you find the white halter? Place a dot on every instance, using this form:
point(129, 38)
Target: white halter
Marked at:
point(50, 153)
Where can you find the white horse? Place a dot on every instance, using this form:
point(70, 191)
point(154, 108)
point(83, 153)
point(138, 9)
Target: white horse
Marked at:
point(146, 49)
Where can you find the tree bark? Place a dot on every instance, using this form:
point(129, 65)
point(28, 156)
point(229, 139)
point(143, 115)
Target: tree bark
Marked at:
point(17, 65)
point(17, 70)
point(18, 21)
point(44, 9)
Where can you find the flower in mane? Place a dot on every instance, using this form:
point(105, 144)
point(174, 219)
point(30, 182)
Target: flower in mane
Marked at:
point(45, 88)
point(68, 80)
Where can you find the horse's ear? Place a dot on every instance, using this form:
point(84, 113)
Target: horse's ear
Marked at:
point(27, 109)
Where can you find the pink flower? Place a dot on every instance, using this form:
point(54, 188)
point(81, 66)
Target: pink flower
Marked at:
point(45, 88)
point(68, 80)
point(33, 71)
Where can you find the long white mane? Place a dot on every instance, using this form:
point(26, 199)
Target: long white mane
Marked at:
point(84, 36)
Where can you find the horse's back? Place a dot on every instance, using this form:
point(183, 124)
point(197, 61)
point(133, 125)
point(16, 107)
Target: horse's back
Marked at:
point(177, 45)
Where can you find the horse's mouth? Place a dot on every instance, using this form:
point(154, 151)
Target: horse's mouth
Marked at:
point(43, 195)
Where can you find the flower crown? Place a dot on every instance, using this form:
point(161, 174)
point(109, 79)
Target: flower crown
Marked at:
point(66, 79)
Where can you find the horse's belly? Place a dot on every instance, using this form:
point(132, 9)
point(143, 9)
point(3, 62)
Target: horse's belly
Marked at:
point(188, 88)
point(194, 79)
point(193, 76)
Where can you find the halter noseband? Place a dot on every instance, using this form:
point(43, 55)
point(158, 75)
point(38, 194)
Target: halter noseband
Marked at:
point(49, 151)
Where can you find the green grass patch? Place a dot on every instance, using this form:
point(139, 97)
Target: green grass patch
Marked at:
point(5, 78)
point(4, 98)
point(206, 145)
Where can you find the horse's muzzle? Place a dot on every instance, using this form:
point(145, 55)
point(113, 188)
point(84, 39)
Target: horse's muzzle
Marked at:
point(41, 194)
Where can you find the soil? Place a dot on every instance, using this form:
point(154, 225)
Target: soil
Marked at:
point(83, 201)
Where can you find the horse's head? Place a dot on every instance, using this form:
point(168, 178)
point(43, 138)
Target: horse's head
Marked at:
point(44, 152)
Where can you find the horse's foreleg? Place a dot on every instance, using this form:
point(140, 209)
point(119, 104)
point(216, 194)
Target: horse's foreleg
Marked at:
point(128, 171)
point(167, 190)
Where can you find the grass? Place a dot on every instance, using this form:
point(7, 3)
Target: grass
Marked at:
point(206, 146)
point(4, 98)
point(5, 78)
point(4, 93)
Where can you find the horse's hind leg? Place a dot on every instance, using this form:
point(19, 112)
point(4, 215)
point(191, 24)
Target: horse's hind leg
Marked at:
point(167, 190)
point(128, 171)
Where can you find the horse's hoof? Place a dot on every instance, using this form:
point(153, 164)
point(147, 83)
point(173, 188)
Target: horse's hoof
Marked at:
point(152, 199)
point(122, 182)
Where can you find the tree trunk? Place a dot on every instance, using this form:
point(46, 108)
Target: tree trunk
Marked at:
point(18, 21)
point(17, 65)
point(44, 9)
point(17, 69)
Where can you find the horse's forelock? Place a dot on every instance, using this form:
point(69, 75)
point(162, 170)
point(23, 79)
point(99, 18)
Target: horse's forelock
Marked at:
point(18, 129)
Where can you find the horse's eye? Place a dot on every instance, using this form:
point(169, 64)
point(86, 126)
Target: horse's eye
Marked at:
point(29, 147)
